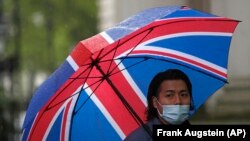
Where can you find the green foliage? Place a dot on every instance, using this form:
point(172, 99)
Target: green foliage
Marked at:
point(41, 34)
point(49, 30)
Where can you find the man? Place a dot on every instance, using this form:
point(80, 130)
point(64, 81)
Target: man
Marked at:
point(169, 102)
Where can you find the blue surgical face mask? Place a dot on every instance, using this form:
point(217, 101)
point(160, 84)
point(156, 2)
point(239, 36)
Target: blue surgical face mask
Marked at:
point(175, 114)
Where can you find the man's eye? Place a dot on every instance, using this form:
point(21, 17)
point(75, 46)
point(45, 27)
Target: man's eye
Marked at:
point(169, 95)
point(184, 94)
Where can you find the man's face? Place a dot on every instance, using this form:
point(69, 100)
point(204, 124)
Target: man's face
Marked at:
point(172, 92)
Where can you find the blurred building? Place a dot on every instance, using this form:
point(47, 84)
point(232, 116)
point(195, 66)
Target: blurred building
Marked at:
point(233, 101)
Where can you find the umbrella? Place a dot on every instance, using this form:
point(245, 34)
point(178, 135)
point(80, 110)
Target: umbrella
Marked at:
point(99, 92)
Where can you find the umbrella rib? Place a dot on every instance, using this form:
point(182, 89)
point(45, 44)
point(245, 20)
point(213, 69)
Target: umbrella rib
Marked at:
point(90, 67)
point(126, 68)
point(123, 100)
point(79, 92)
point(113, 73)
point(112, 60)
point(123, 58)
point(115, 48)
point(85, 101)
point(119, 44)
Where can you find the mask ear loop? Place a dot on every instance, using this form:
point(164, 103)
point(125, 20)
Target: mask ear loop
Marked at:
point(157, 107)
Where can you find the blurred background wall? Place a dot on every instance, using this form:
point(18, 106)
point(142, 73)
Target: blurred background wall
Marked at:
point(36, 37)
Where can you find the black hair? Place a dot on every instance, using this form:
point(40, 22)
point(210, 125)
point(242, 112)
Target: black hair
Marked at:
point(153, 89)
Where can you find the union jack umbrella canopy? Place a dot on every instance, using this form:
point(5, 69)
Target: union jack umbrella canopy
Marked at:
point(99, 92)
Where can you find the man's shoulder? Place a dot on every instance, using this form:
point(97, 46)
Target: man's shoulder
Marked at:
point(141, 133)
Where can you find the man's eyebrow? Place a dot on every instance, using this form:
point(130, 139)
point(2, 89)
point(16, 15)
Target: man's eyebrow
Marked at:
point(174, 90)
point(184, 91)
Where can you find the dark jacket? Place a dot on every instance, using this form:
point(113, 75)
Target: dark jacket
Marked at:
point(140, 134)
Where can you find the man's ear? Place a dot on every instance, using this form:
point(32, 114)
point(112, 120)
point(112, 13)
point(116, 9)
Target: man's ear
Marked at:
point(155, 102)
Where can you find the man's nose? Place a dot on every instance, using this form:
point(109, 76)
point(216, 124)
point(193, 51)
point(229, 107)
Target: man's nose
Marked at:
point(177, 100)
